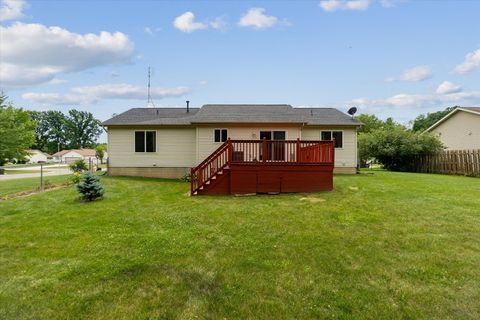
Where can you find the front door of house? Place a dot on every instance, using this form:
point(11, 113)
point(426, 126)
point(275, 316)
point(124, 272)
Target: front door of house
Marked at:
point(275, 149)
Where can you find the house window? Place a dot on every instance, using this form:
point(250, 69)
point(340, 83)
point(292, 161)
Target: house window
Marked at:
point(337, 135)
point(145, 141)
point(220, 135)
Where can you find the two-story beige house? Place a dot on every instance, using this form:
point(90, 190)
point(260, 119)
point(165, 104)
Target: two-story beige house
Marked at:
point(167, 142)
point(460, 129)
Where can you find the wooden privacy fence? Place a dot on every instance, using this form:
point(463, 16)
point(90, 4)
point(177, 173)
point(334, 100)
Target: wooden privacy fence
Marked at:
point(462, 162)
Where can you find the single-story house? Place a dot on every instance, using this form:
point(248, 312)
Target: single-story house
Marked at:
point(37, 156)
point(460, 129)
point(68, 156)
point(167, 142)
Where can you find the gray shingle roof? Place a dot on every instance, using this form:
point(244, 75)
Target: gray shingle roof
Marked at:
point(152, 116)
point(234, 113)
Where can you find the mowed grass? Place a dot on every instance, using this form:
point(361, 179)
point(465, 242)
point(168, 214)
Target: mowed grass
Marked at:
point(10, 187)
point(381, 246)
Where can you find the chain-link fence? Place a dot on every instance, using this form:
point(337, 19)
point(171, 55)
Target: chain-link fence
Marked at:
point(17, 178)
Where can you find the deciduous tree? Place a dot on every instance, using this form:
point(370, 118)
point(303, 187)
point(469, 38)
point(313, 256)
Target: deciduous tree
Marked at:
point(423, 122)
point(17, 131)
point(82, 129)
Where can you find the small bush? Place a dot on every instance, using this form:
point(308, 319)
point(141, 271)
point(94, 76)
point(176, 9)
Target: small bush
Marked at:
point(90, 187)
point(396, 147)
point(75, 178)
point(78, 166)
point(186, 178)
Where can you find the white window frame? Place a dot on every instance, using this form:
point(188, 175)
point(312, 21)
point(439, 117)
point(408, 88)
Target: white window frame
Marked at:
point(213, 132)
point(144, 141)
point(331, 134)
point(271, 131)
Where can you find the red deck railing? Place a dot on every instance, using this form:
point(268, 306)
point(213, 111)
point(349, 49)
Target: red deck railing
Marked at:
point(260, 152)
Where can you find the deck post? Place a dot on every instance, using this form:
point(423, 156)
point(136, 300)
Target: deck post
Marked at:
point(230, 151)
point(298, 150)
point(264, 150)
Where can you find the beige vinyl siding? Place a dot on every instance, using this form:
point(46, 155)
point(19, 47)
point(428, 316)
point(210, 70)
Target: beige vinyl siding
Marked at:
point(206, 144)
point(344, 157)
point(460, 132)
point(175, 147)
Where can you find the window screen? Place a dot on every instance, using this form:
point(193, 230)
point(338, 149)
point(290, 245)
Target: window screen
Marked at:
point(139, 141)
point(338, 136)
point(145, 141)
point(326, 135)
point(220, 135)
point(150, 142)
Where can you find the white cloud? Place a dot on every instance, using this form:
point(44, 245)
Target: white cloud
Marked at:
point(334, 5)
point(151, 31)
point(390, 3)
point(256, 18)
point(148, 30)
point(447, 87)
point(415, 74)
point(11, 9)
point(419, 100)
point(57, 98)
point(33, 53)
point(186, 23)
point(128, 91)
point(471, 63)
point(93, 94)
point(57, 81)
point(219, 23)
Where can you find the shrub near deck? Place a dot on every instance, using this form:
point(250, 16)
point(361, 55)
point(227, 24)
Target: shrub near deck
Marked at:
point(388, 245)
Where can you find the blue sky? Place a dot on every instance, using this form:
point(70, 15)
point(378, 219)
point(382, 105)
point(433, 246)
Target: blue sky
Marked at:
point(394, 58)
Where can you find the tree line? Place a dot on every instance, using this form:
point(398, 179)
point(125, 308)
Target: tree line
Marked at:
point(48, 131)
point(56, 131)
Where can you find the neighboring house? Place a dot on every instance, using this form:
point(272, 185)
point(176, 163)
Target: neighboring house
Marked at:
point(460, 129)
point(37, 156)
point(167, 142)
point(68, 156)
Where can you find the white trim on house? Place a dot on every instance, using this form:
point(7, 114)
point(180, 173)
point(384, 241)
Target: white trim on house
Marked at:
point(451, 113)
point(213, 135)
point(145, 141)
point(331, 134)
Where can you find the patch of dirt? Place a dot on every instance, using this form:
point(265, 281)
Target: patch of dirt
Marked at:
point(312, 200)
point(23, 194)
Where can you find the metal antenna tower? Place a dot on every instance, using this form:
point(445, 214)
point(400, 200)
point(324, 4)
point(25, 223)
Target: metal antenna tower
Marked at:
point(149, 99)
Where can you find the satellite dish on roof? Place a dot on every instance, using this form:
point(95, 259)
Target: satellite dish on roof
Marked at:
point(352, 111)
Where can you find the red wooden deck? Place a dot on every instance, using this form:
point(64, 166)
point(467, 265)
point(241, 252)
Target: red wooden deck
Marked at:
point(265, 166)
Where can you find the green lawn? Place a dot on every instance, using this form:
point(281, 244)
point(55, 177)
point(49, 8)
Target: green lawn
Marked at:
point(10, 187)
point(381, 246)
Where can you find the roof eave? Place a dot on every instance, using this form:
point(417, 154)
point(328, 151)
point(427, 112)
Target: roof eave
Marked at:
point(451, 113)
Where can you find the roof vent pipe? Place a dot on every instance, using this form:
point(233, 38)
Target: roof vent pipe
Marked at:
point(188, 106)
